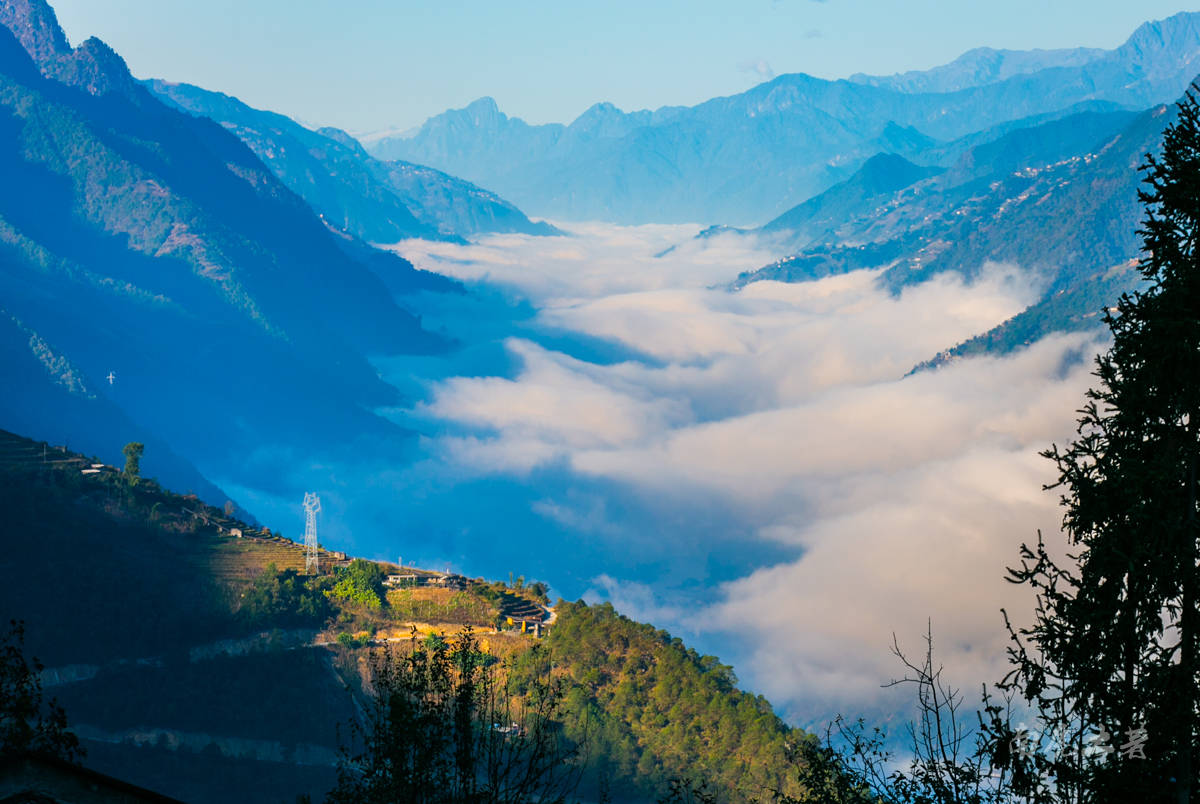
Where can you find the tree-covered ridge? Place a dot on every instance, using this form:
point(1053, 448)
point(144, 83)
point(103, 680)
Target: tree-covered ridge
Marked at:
point(653, 709)
point(1077, 309)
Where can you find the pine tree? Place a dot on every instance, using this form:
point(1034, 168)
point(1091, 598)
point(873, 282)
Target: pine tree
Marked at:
point(133, 452)
point(28, 723)
point(1111, 663)
point(445, 724)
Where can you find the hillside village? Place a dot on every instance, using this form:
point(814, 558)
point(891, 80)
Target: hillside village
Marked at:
point(236, 552)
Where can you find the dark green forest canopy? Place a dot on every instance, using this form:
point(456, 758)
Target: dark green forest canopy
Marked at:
point(654, 710)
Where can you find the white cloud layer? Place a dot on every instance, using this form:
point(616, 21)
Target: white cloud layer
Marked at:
point(785, 408)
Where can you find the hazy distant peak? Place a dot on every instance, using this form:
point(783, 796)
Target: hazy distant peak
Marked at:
point(485, 103)
point(777, 94)
point(368, 138)
point(1150, 43)
point(482, 113)
point(598, 111)
point(1167, 35)
point(342, 137)
point(789, 81)
point(980, 66)
point(484, 108)
point(606, 120)
point(603, 108)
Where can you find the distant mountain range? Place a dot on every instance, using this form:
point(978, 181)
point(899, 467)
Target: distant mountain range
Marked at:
point(981, 66)
point(749, 157)
point(153, 244)
point(378, 201)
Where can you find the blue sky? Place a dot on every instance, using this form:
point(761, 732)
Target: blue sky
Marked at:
point(366, 65)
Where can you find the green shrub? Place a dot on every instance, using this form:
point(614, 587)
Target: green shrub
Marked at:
point(282, 599)
point(360, 584)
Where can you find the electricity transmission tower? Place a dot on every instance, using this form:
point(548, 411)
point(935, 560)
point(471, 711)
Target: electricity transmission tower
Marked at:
point(312, 505)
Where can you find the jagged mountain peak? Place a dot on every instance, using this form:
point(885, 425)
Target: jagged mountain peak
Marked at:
point(97, 69)
point(93, 67)
point(604, 119)
point(597, 115)
point(483, 108)
point(1167, 35)
point(35, 25)
point(485, 103)
point(601, 110)
point(481, 113)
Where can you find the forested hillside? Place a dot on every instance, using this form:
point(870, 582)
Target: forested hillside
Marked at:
point(655, 710)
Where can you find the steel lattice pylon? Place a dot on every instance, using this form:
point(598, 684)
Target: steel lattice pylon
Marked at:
point(312, 506)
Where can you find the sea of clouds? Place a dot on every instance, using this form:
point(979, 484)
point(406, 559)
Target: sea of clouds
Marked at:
point(756, 471)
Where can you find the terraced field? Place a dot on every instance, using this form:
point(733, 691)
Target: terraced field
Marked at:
point(18, 452)
point(516, 608)
point(432, 605)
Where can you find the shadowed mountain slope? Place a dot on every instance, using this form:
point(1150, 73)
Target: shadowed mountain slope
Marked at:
point(881, 175)
point(140, 240)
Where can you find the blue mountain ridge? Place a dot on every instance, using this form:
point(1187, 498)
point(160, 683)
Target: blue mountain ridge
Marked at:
point(381, 202)
point(980, 66)
point(746, 158)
